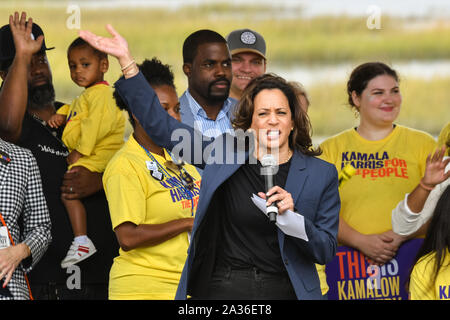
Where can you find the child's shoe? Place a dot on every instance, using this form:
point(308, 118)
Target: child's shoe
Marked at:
point(78, 252)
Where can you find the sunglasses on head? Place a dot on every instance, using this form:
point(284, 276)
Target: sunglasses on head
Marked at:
point(186, 178)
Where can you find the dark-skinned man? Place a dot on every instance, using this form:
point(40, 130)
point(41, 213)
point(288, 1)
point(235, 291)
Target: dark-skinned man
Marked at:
point(206, 105)
point(27, 100)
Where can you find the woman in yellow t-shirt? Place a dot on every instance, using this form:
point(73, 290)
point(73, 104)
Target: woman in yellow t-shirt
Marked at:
point(389, 159)
point(151, 199)
point(430, 278)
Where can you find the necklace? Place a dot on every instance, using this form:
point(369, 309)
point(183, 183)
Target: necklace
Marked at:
point(284, 160)
point(289, 155)
point(177, 180)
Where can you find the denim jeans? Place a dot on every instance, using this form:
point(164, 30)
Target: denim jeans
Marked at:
point(249, 284)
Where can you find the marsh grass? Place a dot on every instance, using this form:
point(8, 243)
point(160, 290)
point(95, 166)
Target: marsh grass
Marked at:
point(321, 40)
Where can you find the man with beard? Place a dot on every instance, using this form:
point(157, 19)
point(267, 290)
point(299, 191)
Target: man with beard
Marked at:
point(205, 105)
point(26, 103)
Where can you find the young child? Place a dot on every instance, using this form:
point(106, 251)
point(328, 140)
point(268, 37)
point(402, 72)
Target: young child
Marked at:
point(94, 129)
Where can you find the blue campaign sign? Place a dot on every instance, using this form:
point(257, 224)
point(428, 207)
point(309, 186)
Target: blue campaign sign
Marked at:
point(351, 277)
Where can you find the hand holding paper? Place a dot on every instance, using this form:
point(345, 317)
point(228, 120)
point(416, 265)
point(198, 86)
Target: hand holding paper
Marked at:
point(291, 223)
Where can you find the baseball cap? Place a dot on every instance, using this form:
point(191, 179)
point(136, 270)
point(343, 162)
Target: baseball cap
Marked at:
point(7, 48)
point(246, 40)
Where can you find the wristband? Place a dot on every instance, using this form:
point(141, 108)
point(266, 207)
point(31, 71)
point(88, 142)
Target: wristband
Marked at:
point(128, 65)
point(424, 186)
point(132, 72)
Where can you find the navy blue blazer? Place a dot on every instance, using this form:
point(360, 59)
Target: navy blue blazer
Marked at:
point(313, 184)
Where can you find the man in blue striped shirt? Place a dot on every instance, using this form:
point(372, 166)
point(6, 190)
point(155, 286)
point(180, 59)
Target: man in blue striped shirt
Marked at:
point(206, 105)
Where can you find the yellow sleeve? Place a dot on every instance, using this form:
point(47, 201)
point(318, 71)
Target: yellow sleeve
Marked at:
point(419, 285)
point(64, 110)
point(101, 119)
point(426, 146)
point(125, 195)
point(444, 137)
point(329, 153)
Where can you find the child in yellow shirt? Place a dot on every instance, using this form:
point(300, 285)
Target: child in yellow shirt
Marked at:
point(94, 129)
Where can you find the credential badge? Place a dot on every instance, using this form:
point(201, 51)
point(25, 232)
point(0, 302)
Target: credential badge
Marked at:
point(154, 170)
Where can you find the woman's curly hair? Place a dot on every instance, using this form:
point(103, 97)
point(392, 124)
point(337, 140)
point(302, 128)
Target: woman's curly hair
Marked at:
point(300, 137)
point(156, 73)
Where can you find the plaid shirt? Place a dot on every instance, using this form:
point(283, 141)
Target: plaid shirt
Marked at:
point(24, 209)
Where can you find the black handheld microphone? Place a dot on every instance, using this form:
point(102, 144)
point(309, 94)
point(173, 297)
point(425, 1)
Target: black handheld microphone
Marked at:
point(268, 170)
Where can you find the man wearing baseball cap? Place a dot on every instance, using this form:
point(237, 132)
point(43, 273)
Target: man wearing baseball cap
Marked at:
point(248, 58)
point(8, 50)
point(27, 101)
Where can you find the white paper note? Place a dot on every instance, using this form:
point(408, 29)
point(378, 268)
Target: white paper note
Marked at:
point(289, 222)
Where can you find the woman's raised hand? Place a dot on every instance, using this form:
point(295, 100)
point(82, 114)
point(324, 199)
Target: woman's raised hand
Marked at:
point(435, 169)
point(116, 46)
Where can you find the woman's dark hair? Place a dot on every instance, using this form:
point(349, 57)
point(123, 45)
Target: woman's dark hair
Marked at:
point(365, 72)
point(300, 137)
point(437, 239)
point(156, 73)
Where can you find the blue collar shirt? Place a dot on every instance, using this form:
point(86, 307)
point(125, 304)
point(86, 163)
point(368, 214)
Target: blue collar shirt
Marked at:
point(194, 115)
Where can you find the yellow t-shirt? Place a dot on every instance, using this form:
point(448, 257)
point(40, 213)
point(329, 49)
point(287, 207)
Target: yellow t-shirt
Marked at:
point(421, 285)
point(94, 127)
point(135, 196)
point(444, 137)
point(386, 170)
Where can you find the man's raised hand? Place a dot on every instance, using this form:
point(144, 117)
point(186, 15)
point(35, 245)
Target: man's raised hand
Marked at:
point(21, 31)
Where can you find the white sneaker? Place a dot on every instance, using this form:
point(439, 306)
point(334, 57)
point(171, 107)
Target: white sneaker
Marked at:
point(78, 252)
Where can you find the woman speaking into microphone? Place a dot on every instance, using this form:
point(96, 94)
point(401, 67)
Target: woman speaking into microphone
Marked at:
point(235, 251)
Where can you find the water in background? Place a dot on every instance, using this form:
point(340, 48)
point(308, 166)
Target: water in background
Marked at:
point(285, 8)
point(335, 73)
